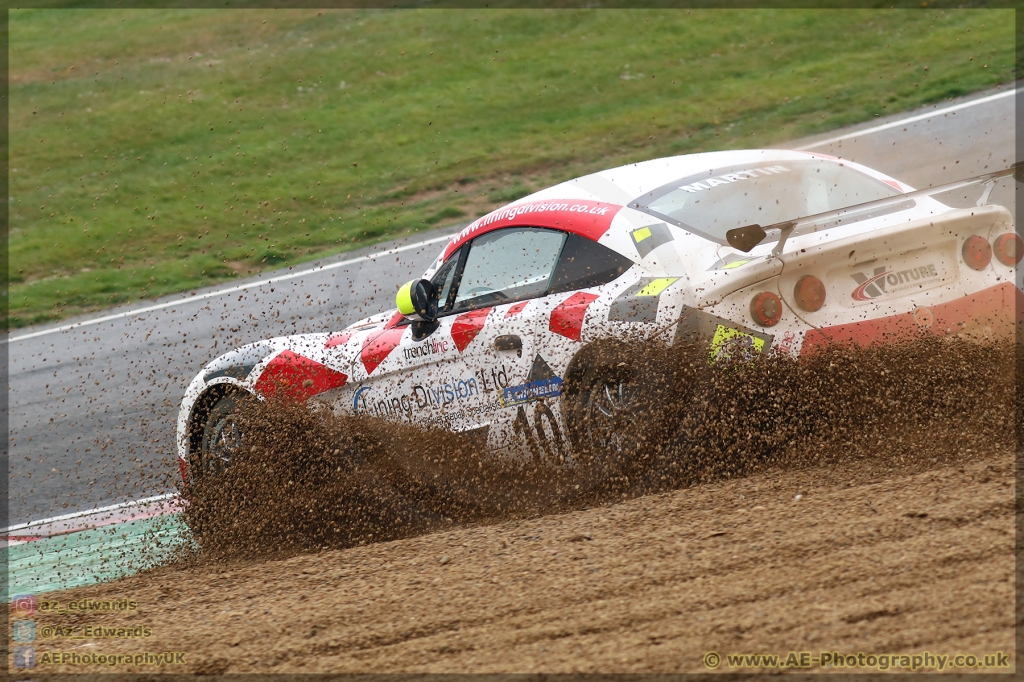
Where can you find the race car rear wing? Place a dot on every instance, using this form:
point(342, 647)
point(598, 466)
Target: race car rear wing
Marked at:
point(747, 237)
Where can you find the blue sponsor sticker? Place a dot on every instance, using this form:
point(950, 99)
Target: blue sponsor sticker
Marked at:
point(524, 393)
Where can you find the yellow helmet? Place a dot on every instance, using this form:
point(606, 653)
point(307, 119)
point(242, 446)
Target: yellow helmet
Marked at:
point(404, 299)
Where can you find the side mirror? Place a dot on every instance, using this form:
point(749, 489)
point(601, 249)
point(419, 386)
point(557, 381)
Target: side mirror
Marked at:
point(417, 300)
point(745, 238)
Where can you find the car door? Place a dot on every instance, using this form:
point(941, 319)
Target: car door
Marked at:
point(522, 283)
point(413, 374)
point(479, 369)
point(454, 374)
point(501, 285)
point(533, 423)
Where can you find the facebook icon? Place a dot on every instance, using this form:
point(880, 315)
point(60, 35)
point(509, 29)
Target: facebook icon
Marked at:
point(24, 657)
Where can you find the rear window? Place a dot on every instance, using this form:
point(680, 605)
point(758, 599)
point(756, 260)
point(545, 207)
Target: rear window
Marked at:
point(585, 263)
point(712, 203)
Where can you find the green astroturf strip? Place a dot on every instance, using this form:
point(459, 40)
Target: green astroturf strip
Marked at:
point(91, 556)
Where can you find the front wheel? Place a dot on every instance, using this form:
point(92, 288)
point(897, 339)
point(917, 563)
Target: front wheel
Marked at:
point(222, 434)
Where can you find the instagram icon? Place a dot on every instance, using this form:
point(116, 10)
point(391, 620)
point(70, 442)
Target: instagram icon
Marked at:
point(24, 605)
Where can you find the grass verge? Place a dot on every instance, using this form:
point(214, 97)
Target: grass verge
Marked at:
point(158, 151)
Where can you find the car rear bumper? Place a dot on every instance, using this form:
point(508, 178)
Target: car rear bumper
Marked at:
point(989, 314)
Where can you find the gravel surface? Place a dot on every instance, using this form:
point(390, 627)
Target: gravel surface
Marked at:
point(849, 559)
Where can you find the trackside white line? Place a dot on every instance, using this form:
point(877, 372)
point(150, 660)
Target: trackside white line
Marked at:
point(223, 292)
point(912, 119)
point(90, 512)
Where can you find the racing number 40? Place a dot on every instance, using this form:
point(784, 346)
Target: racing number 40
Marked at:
point(551, 447)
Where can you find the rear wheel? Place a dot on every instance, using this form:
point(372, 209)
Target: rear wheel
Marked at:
point(602, 414)
point(606, 415)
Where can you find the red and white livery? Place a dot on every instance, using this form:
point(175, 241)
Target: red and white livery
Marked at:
point(748, 252)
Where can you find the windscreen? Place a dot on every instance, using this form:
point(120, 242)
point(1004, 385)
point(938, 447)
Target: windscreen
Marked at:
point(711, 204)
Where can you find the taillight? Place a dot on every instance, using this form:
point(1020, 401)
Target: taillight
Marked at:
point(809, 293)
point(766, 309)
point(1009, 249)
point(977, 252)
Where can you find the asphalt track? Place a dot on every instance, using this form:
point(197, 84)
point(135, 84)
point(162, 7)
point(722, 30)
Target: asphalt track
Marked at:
point(93, 406)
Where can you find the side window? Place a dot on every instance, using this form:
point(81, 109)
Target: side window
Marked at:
point(444, 279)
point(585, 263)
point(507, 265)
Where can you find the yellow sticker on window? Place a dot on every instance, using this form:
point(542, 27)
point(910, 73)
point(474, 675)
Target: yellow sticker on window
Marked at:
point(641, 234)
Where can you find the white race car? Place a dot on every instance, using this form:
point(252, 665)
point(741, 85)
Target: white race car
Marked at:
point(506, 336)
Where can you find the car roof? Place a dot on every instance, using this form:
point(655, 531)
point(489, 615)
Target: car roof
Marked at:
point(589, 205)
point(624, 183)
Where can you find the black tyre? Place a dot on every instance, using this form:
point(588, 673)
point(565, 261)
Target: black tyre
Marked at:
point(602, 414)
point(222, 435)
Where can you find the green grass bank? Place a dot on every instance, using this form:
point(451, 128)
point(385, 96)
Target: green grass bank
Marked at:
point(158, 151)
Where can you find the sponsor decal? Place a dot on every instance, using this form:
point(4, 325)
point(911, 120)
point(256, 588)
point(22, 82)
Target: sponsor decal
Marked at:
point(427, 348)
point(293, 376)
point(337, 340)
point(884, 281)
point(731, 345)
point(541, 382)
point(647, 239)
point(786, 344)
point(493, 379)
point(430, 397)
point(356, 398)
point(730, 178)
point(449, 420)
point(467, 326)
point(534, 390)
point(442, 394)
point(377, 347)
point(589, 219)
point(422, 397)
point(567, 318)
point(639, 303)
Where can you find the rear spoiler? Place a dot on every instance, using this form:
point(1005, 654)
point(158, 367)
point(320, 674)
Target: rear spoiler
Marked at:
point(747, 237)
